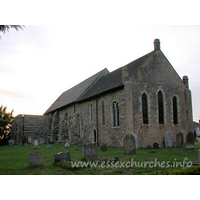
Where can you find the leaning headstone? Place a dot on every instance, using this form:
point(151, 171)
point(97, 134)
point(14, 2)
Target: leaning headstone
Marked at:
point(190, 138)
point(67, 145)
point(58, 157)
point(103, 147)
point(36, 159)
point(168, 140)
point(179, 139)
point(11, 142)
point(155, 145)
point(129, 144)
point(89, 151)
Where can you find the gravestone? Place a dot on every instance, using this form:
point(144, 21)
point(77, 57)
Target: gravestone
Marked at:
point(29, 140)
point(24, 139)
point(89, 151)
point(11, 142)
point(116, 158)
point(48, 146)
point(36, 145)
point(67, 145)
point(51, 138)
point(179, 139)
point(41, 140)
point(190, 138)
point(155, 145)
point(129, 144)
point(58, 157)
point(79, 142)
point(168, 139)
point(136, 140)
point(36, 159)
point(199, 155)
point(103, 147)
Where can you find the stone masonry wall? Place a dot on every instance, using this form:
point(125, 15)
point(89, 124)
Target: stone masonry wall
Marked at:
point(158, 75)
point(32, 126)
point(76, 121)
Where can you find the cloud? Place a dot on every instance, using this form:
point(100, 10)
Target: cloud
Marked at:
point(6, 69)
point(12, 94)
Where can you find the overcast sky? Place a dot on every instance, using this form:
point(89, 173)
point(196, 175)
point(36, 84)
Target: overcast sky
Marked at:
point(40, 62)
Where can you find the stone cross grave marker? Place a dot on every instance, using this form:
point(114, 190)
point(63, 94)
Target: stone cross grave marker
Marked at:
point(129, 144)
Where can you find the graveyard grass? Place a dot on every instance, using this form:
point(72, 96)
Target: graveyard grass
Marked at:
point(14, 160)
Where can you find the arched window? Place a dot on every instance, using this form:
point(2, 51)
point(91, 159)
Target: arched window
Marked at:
point(160, 108)
point(175, 110)
point(95, 136)
point(145, 108)
point(103, 113)
point(91, 112)
point(115, 113)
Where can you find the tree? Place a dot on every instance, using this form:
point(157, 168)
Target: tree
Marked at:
point(4, 28)
point(5, 125)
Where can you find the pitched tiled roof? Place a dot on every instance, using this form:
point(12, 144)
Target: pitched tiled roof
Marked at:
point(97, 84)
point(114, 79)
point(74, 93)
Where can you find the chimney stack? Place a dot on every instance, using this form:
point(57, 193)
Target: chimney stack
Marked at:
point(156, 44)
point(185, 81)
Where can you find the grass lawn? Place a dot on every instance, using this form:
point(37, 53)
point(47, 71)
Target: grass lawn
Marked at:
point(15, 160)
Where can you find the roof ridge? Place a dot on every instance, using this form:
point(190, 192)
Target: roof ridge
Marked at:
point(93, 83)
point(75, 92)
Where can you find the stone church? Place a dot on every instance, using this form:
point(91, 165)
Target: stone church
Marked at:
point(146, 98)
